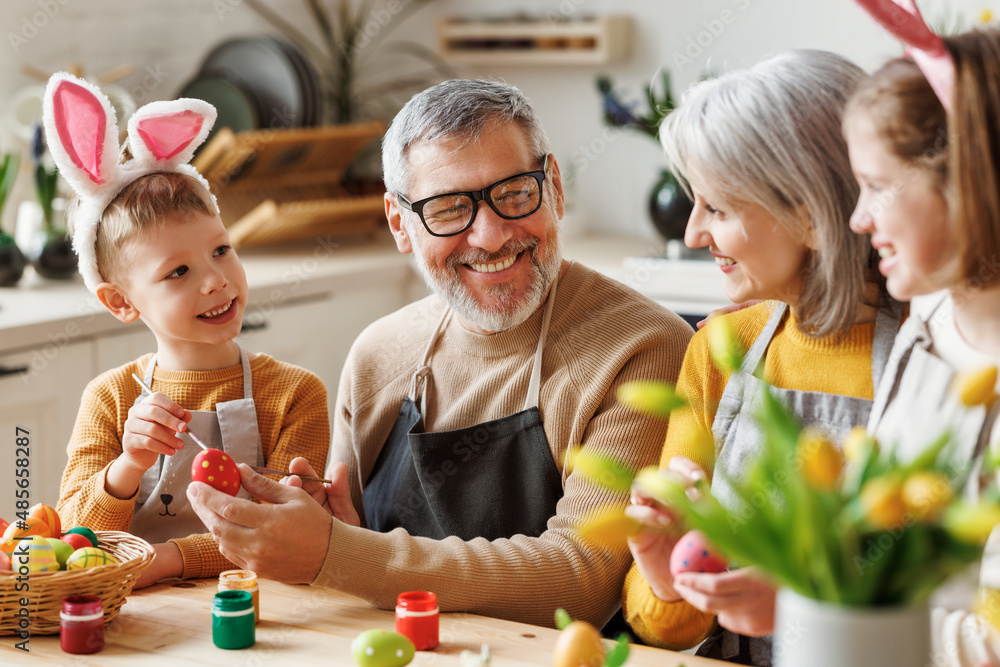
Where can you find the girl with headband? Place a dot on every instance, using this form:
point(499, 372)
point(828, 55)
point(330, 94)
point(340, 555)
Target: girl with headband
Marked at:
point(924, 140)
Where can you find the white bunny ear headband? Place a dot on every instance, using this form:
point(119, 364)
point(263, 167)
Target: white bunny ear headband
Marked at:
point(902, 18)
point(82, 134)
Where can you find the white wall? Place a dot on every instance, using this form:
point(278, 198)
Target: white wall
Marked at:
point(170, 38)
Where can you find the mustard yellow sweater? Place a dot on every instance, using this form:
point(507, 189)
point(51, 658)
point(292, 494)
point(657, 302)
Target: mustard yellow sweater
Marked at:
point(792, 361)
point(291, 417)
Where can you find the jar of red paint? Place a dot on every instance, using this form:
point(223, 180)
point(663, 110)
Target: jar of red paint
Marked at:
point(417, 618)
point(81, 625)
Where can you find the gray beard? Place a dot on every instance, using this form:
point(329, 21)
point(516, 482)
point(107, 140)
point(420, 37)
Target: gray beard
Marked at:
point(510, 307)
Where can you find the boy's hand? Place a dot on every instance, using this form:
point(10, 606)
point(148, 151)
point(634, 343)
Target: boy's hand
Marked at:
point(166, 563)
point(151, 429)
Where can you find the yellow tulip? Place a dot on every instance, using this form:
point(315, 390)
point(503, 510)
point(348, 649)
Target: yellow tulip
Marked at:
point(972, 523)
point(723, 346)
point(856, 444)
point(599, 468)
point(609, 526)
point(819, 460)
point(649, 397)
point(882, 501)
point(978, 387)
point(926, 494)
point(656, 484)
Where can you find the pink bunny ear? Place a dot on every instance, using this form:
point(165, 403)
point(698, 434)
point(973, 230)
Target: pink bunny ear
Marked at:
point(81, 130)
point(166, 134)
point(902, 18)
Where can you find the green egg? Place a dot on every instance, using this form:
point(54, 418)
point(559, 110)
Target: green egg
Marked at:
point(62, 550)
point(86, 532)
point(382, 648)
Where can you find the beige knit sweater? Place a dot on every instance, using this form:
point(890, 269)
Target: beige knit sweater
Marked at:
point(602, 335)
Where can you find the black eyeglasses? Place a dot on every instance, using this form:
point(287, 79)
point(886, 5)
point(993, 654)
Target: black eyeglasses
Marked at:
point(452, 213)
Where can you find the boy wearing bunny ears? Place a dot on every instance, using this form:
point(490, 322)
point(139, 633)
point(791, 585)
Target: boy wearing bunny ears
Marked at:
point(153, 247)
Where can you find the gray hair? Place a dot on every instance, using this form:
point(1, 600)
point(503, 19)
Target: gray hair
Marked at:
point(460, 108)
point(771, 135)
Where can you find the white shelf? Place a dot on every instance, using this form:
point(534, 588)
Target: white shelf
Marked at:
point(538, 41)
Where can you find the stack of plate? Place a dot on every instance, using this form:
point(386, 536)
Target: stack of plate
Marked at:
point(259, 83)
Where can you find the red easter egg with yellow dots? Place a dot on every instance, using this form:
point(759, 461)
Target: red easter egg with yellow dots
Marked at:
point(27, 529)
point(217, 469)
point(48, 516)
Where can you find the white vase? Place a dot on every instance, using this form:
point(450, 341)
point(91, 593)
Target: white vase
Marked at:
point(809, 633)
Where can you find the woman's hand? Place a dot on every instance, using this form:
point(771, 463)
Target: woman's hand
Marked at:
point(652, 545)
point(742, 599)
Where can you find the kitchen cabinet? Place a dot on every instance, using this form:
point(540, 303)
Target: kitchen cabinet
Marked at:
point(41, 391)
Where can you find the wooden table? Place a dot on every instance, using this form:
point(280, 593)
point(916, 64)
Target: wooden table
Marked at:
point(171, 624)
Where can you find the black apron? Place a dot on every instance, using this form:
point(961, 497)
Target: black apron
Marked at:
point(493, 480)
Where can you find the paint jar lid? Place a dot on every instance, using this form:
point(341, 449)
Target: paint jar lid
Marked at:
point(417, 601)
point(82, 605)
point(232, 601)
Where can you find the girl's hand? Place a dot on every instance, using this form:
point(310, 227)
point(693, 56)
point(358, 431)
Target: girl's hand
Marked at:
point(742, 599)
point(652, 545)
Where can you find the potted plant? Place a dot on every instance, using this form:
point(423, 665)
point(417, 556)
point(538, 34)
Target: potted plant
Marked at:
point(669, 206)
point(52, 254)
point(856, 539)
point(12, 261)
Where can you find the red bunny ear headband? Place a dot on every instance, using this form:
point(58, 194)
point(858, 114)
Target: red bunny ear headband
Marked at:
point(903, 19)
point(82, 134)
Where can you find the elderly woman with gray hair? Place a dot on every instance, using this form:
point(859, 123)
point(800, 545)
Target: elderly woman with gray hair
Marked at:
point(762, 153)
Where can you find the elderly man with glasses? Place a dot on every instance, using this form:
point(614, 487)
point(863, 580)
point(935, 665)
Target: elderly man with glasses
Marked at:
point(454, 414)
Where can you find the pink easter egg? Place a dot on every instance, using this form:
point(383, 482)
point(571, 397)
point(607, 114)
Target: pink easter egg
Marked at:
point(694, 553)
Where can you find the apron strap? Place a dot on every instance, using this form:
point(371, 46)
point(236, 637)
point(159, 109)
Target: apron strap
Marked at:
point(420, 375)
point(535, 384)
point(247, 376)
point(887, 320)
point(149, 371)
point(913, 332)
point(756, 352)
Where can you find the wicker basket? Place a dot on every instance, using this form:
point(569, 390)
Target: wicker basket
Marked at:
point(46, 591)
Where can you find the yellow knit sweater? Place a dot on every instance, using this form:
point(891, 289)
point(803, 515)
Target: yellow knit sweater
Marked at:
point(291, 417)
point(792, 361)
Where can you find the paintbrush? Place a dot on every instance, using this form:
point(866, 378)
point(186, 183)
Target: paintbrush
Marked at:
point(269, 471)
point(191, 435)
point(272, 471)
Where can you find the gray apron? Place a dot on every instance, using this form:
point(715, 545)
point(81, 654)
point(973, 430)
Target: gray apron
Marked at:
point(162, 511)
point(916, 400)
point(739, 440)
point(493, 480)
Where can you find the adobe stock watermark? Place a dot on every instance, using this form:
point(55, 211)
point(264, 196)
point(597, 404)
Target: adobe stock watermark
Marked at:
point(714, 28)
point(378, 20)
point(150, 81)
point(31, 25)
point(564, 11)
